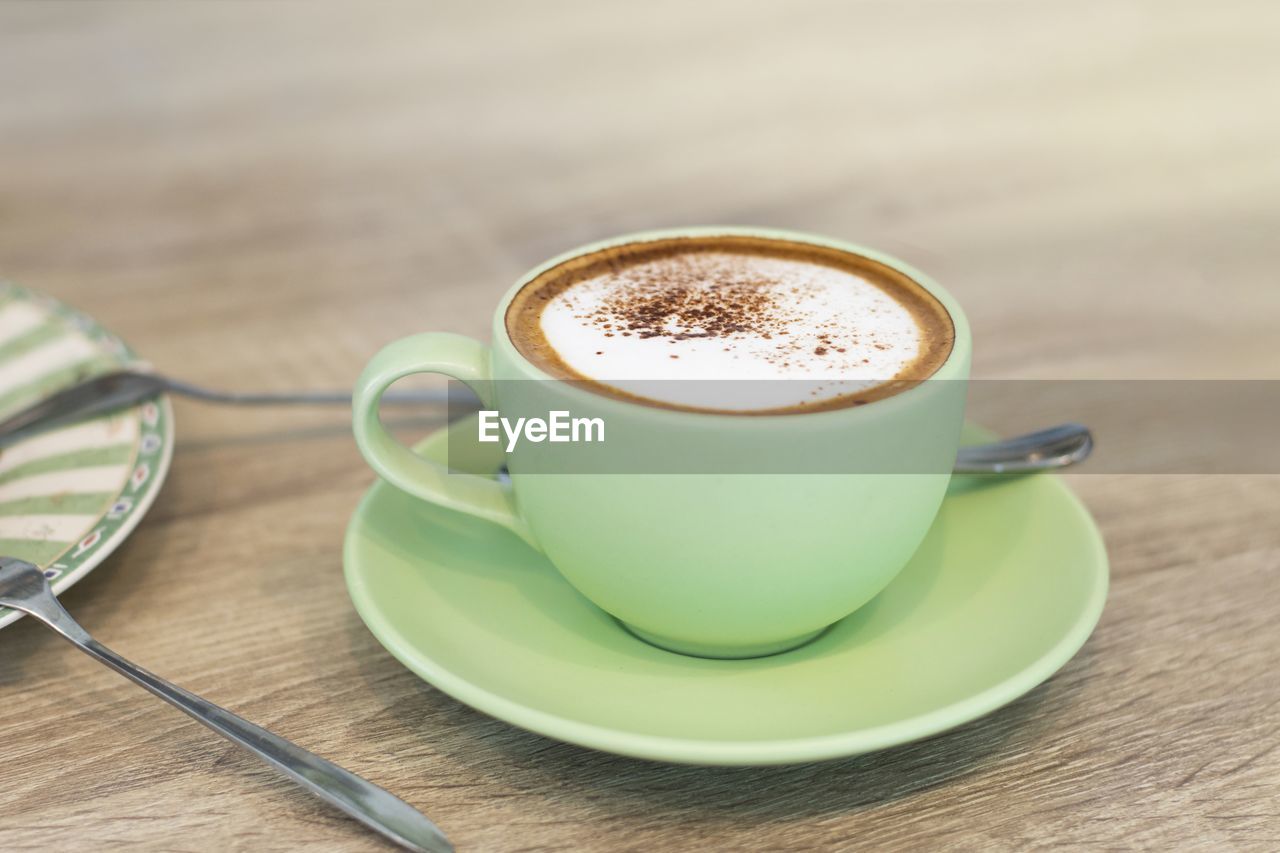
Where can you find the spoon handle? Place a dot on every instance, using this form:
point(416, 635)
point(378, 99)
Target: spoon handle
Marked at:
point(120, 389)
point(362, 800)
point(1057, 447)
point(24, 587)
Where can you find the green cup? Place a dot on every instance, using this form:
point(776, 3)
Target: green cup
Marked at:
point(716, 564)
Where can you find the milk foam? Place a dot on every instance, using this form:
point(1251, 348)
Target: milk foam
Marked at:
point(647, 328)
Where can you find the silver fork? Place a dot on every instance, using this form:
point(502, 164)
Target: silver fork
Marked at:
point(24, 587)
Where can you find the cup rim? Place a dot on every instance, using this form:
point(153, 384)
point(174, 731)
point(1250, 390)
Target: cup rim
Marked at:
point(954, 367)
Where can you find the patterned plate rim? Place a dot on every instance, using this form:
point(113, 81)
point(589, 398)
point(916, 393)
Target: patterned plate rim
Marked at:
point(139, 491)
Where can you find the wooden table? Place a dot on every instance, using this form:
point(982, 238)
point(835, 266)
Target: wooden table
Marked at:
point(259, 195)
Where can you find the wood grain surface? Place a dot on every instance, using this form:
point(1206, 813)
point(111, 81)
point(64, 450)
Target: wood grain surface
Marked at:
point(260, 195)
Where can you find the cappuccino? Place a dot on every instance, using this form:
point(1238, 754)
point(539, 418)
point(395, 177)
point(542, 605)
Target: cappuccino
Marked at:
point(814, 327)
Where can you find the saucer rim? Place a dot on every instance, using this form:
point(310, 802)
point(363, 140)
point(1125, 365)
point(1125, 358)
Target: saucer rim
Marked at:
point(731, 752)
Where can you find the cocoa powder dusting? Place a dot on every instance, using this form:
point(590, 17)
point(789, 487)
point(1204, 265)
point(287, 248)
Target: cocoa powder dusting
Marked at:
point(680, 302)
point(690, 298)
point(720, 298)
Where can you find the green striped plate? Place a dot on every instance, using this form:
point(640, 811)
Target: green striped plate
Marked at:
point(69, 497)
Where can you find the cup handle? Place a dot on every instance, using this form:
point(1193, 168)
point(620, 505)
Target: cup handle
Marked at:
point(454, 356)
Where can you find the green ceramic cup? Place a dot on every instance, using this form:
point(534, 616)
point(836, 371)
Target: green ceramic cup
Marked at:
point(713, 564)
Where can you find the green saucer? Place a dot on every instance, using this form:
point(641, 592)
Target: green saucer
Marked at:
point(1005, 589)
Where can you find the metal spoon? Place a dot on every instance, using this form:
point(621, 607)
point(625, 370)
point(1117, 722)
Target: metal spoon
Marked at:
point(1056, 447)
point(24, 587)
point(120, 389)
point(1045, 450)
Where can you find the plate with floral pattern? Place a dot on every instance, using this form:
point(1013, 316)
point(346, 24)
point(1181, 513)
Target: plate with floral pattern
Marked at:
point(69, 496)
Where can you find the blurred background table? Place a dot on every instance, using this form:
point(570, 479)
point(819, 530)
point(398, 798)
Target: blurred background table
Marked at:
point(259, 195)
